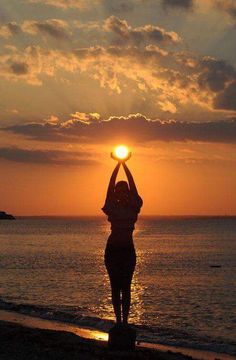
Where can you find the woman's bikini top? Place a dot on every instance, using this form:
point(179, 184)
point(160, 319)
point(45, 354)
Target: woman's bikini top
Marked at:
point(122, 217)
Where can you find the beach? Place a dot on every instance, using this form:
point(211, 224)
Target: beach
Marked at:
point(22, 343)
point(25, 337)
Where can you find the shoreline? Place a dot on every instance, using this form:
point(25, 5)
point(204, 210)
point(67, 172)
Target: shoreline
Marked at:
point(15, 322)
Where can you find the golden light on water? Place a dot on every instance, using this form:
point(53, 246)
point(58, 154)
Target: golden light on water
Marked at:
point(121, 152)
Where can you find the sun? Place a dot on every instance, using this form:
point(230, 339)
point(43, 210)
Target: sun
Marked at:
point(121, 152)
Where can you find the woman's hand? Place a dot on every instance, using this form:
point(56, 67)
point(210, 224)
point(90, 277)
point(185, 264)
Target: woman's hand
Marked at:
point(127, 157)
point(114, 157)
point(121, 161)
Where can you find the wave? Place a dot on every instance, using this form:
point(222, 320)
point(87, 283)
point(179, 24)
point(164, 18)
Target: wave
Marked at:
point(145, 333)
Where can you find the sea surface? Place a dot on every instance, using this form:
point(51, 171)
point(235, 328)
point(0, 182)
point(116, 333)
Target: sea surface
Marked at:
point(184, 286)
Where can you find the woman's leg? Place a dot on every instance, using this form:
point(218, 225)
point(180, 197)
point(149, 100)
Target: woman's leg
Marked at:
point(126, 288)
point(116, 302)
point(111, 266)
point(126, 298)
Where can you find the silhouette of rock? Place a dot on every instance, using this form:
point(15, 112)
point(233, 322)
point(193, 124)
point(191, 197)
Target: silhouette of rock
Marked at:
point(122, 338)
point(5, 216)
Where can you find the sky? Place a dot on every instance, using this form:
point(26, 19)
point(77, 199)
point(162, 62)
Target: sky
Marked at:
point(79, 77)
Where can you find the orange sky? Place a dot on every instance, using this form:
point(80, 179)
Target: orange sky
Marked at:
point(79, 77)
point(167, 187)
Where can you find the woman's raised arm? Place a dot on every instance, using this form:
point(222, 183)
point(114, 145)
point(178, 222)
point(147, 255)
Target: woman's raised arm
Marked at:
point(112, 182)
point(111, 188)
point(136, 199)
point(130, 178)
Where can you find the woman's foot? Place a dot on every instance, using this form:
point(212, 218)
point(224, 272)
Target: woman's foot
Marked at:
point(125, 324)
point(118, 322)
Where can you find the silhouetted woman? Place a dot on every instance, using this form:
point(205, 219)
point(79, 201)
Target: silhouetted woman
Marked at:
point(122, 206)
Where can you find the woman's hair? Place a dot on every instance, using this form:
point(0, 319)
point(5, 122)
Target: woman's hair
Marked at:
point(122, 184)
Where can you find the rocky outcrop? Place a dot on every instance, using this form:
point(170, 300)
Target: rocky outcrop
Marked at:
point(5, 216)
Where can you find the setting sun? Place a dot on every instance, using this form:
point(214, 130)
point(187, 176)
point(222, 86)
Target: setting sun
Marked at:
point(121, 152)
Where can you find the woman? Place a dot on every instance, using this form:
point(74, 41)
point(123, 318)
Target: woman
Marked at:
point(122, 206)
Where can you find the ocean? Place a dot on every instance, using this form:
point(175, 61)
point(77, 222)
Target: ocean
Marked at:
point(183, 290)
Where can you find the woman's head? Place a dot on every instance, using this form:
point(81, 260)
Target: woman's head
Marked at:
point(122, 190)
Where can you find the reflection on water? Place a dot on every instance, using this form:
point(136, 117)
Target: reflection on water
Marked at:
point(52, 325)
point(137, 289)
point(98, 335)
point(59, 262)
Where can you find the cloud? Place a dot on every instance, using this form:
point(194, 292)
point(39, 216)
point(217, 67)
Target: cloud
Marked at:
point(167, 106)
point(119, 6)
point(55, 28)
point(229, 6)
point(10, 29)
point(219, 77)
point(216, 74)
point(135, 127)
point(226, 99)
point(185, 4)
point(34, 61)
point(100, 63)
point(110, 6)
point(87, 118)
point(19, 68)
point(127, 35)
point(124, 6)
point(174, 78)
point(65, 4)
point(46, 157)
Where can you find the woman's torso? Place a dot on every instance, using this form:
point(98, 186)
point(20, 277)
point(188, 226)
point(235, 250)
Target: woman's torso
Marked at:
point(122, 217)
point(120, 240)
point(122, 221)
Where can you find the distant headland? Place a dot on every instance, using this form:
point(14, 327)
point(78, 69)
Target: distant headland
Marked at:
point(5, 216)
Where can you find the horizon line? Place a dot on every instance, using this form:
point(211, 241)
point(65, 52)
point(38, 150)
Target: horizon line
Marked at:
point(144, 215)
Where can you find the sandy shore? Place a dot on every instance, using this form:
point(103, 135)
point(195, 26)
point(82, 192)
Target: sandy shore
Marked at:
point(25, 337)
point(23, 343)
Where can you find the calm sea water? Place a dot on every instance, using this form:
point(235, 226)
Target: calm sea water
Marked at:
point(55, 267)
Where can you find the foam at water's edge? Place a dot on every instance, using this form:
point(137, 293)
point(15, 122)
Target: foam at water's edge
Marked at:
point(78, 317)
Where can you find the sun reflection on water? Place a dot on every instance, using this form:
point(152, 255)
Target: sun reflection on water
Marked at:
point(137, 295)
point(137, 292)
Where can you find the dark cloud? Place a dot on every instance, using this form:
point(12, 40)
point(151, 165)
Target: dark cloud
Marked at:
point(47, 157)
point(118, 6)
point(136, 127)
point(55, 28)
point(109, 6)
point(14, 28)
point(66, 4)
point(10, 29)
point(216, 74)
point(186, 4)
point(127, 35)
point(229, 6)
point(19, 68)
point(51, 30)
point(219, 77)
point(226, 100)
